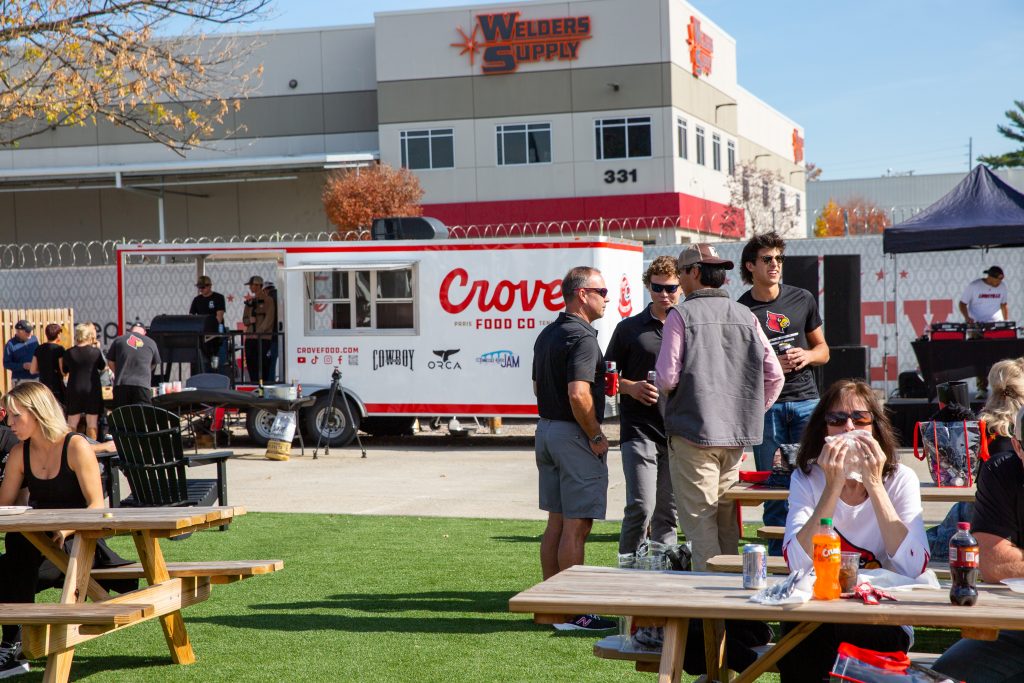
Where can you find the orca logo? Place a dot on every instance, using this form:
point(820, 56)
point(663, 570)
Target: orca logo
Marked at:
point(444, 363)
point(776, 322)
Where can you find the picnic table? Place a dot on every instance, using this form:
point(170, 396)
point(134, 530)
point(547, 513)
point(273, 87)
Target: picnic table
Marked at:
point(671, 599)
point(54, 630)
point(745, 493)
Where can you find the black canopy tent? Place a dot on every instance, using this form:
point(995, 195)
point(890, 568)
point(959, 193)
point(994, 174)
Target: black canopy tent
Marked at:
point(982, 211)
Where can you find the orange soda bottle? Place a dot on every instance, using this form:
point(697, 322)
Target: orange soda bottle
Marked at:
point(827, 557)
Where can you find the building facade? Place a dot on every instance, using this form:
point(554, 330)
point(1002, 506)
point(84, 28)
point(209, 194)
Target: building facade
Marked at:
point(626, 111)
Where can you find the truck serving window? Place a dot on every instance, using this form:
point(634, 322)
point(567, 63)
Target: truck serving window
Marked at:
point(360, 299)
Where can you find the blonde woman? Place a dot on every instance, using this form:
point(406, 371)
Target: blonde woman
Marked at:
point(84, 363)
point(1005, 399)
point(60, 471)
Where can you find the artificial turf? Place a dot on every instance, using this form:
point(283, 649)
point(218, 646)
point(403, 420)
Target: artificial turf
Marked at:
point(364, 599)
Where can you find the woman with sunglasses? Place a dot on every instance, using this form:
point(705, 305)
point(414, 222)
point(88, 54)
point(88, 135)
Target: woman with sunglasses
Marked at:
point(847, 469)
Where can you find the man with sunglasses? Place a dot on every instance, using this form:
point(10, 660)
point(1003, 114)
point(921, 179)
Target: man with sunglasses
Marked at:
point(720, 375)
point(571, 449)
point(789, 317)
point(211, 303)
point(984, 301)
point(634, 349)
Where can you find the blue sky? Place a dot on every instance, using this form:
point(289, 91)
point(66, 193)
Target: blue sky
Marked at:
point(900, 84)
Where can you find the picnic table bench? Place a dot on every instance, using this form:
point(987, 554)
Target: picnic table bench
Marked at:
point(746, 493)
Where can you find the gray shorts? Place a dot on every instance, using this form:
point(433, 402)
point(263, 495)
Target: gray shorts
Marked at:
point(573, 481)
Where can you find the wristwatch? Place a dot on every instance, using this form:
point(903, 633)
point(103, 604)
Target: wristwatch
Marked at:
point(597, 438)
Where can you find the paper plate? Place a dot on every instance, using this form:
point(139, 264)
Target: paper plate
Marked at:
point(13, 509)
point(1016, 585)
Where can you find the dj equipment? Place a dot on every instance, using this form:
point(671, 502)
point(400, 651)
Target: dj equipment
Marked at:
point(948, 331)
point(845, 362)
point(842, 299)
point(802, 271)
point(1001, 329)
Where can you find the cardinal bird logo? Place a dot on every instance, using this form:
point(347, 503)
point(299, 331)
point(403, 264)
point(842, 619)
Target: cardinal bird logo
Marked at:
point(776, 322)
point(135, 342)
point(625, 298)
point(445, 355)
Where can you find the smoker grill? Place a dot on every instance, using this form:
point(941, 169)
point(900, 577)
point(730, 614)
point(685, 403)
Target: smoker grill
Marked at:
point(180, 337)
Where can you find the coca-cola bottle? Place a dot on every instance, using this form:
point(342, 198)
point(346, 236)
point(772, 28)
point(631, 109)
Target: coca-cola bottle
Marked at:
point(963, 566)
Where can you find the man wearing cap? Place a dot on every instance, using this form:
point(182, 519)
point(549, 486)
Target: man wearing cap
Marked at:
point(18, 352)
point(984, 301)
point(721, 376)
point(998, 524)
point(211, 303)
point(258, 319)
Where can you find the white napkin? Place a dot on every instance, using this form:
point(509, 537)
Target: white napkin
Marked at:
point(891, 581)
point(793, 590)
point(852, 461)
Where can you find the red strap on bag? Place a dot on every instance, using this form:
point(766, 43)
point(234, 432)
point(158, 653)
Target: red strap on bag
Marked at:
point(917, 430)
point(983, 453)
point(896, 662)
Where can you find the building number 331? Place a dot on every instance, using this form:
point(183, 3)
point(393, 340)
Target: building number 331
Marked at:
point(620, 176)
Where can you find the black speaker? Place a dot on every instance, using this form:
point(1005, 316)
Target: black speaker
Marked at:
point(842, 300)
point(802, 271)
point(845, 362)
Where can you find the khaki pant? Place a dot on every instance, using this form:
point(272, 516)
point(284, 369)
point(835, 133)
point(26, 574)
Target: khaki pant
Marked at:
point(700, 475)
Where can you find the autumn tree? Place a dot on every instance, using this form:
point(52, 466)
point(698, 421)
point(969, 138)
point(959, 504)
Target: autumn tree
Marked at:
point(354, 197)
point(759, 200)
point(83, 62)
point(1015, 132)
point(855, 216)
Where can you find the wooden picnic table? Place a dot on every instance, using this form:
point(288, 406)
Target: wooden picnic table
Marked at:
point(671, 599)
point(733, 564)
point(745, 493)
point(57, 629)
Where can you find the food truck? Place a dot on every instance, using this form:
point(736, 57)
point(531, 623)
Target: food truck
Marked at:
point(411, 328)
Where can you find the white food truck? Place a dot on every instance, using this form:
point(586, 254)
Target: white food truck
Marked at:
point(416, 327)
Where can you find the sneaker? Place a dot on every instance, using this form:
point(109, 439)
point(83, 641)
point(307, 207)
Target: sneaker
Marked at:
point(11, 661)
point(588, 622)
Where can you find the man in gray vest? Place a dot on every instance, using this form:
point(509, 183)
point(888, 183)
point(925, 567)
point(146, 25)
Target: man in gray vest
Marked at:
point(721, 375)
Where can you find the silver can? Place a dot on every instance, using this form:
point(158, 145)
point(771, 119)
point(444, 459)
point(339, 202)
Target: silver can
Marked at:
point(755, 566)
point(652, 377)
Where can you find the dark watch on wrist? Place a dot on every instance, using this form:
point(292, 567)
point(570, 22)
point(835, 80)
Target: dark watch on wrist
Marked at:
point(597, 438)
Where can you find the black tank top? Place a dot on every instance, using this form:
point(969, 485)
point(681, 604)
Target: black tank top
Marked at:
point(62, 491)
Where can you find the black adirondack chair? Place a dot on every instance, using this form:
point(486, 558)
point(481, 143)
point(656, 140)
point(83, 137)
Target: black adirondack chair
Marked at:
point(149, 452)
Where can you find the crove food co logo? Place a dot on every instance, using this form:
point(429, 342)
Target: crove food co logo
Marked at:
point(776, 322)
point(702, 48)
point(501, 359)
point(507, 41)
point(383, 358)
point(445, 362)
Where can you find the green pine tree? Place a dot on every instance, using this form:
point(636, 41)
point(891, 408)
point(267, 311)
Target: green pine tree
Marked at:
point(1014, 131)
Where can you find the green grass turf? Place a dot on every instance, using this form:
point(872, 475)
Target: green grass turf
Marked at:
point(363, 599)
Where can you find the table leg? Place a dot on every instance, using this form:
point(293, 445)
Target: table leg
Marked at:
point(672, 649)
point(714, 650)
point(787, 643)
point(76, 583)
point(59, 558)
point(152, 560)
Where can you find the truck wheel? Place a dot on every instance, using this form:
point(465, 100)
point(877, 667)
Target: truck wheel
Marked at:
point(331, 422)
point(258, 422)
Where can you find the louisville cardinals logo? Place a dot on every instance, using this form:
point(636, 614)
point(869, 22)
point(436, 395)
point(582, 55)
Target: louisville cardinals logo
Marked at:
point(135, 342)
point(625, 299)
point(776, 322)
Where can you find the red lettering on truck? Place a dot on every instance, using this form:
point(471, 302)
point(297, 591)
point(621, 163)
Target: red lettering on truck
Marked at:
point(455, 298)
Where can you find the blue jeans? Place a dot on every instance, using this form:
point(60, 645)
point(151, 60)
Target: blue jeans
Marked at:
point(783, 423)
point(985, 661)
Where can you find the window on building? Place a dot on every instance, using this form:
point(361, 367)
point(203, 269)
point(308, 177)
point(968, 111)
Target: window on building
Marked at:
point(524, 143)
point(368, 299)
point(425, 149)
point(796, 202)
point(716, 151)
point(782, 200)
point(700, 146)
point(764, 193)
point(623, 138)
point(681, 131)
point(731, 157)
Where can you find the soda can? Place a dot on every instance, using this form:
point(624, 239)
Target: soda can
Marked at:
point(652, 377)
point(755, 566)
point(610, 366)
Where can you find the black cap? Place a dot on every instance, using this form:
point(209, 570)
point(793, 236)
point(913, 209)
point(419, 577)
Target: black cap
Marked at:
point(24, 326)
point(255, 280)
point(994, 271)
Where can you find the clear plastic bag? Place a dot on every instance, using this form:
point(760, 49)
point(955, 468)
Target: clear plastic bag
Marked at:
point(954, 450)
point(859, 665)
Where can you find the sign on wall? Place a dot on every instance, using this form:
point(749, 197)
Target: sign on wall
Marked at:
point(506, 41)
point(702, 48)
point(798, 146)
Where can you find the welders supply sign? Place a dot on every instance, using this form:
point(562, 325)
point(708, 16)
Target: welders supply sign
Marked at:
point(702, 48)
point(508, 41)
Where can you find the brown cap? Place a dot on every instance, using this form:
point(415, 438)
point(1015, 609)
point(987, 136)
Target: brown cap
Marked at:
point(702, 253)
point(255, 280)
point(203, 281)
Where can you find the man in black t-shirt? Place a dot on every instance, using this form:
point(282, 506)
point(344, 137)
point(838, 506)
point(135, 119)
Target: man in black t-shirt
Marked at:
point(999, 527)
point(133, 357)
point(571, 450)
point(789, 317)
point(634, 349)
point(211, 303)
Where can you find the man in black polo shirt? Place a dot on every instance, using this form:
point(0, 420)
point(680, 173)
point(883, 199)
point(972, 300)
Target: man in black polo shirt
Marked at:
point(999, 527)
point(571, 450)
point(634, 349)
point(210, 303)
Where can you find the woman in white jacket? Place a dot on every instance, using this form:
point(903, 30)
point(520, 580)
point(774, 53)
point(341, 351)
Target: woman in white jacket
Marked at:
point(847, 469)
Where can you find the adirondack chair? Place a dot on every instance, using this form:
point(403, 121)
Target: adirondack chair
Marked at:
point(149, 451)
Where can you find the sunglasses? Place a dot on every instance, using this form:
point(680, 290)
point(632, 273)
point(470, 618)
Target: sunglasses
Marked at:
point(657, 289)
point(768, 259)
point(203, 286)
point(603, 291)
point(838, 418)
